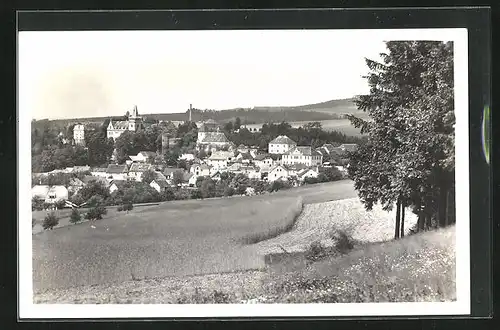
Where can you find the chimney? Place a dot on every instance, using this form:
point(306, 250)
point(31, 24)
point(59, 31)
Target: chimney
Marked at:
point(190, 109)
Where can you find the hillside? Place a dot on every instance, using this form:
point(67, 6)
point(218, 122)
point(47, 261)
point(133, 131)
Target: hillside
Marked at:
point(338, 107)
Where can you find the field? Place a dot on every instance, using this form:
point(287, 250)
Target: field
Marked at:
point(173, 238)
point(318, 221)
point(416, 268)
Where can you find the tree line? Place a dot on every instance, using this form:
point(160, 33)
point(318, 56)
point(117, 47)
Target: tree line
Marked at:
point(408, 159)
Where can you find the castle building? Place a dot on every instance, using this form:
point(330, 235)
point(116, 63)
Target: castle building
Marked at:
point(134, 123)
point(79, 134)
point(210, 138)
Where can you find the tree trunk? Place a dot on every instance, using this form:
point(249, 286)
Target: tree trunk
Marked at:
point(442, 206)
point(420, 221)
point(428, 221)
point(403, 220)
point(398, 218)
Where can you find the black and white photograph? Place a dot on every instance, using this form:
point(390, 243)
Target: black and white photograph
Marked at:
point(296, 172)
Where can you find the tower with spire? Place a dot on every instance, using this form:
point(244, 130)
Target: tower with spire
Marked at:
point(134, 120)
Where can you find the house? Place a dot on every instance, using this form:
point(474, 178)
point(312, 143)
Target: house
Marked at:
point(302, 155)
point(216, 176)
point(212, 141)
point(50, 194)
point(307, 173)
point(137, 170)
point(263, 160)
point(220, 159)
point(143, 156)
point(278, 172)
point(235, 168)
point(293, 170)
point(116, 185)
point(200, 169)
point(159, 185)
point(117, 172)
point(253, 128)
point(100, 172)
point(251, 172)
point(245, 158)
point(79, 134)
point(168, 172)
point(187, 157)
point(116, 128)
point(282, 144)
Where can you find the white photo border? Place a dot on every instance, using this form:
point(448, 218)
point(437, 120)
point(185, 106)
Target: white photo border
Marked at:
point(29, 310)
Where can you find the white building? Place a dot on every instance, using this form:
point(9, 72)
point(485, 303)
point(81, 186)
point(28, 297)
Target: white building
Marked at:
point(263, 161)
point(307, 173)
point(159, 185)
point(282, 144)
point(278, 172)
point(220, 159)
point(50, 194)
point(79, 134)
point(137, 170)
point(116, 128)
point(143, 156)
point(302, 155)
point(200, 170)
point(187, 157)
point(117, 172)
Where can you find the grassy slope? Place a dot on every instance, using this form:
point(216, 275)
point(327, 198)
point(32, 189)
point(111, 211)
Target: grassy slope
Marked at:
point(416, 268)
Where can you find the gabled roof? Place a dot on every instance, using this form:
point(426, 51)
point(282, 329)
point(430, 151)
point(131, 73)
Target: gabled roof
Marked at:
point(214, 137)
point(147, 154)
point(262, 157)
point(118, 183)
point(138, 167)
point(187, 176)
point(306, 151)
point(119, 124)
point(304, 171)
point(202, 166)
point(161, 183)
point(116, 169)
point(276, 166)
point(245, 155)
point(296, 167)
point(283, 139)
point(45, 189)
point(76, 182)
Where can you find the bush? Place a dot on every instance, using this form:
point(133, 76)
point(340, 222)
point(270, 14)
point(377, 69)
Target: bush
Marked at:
point(119, 208)
point(128, 207)
point(50, 221)
point(96, 213)
point(342, 241)
point(60, 204)
point(316, 251)
point(196, 194)
point(168, 195)
point(37, 203)
point(75, 216)
point(228, 191)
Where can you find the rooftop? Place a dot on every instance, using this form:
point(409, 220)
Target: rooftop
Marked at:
point(113, 168)
point(122, 125)
point(214, 137)
point(138, 167)
point(283, 139)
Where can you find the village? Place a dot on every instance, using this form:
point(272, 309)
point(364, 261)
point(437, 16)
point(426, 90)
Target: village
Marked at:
point(215, 157)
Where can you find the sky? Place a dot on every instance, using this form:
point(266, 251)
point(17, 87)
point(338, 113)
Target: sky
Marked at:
point(74, 74)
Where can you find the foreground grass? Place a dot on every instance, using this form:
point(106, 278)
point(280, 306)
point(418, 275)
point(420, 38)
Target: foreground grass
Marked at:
point(286, 220)
point(417, 268)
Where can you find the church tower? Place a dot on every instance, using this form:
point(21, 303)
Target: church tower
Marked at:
point(134, 120)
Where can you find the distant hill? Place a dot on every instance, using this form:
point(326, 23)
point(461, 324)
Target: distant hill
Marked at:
point(338, 107)
point(329, 110)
